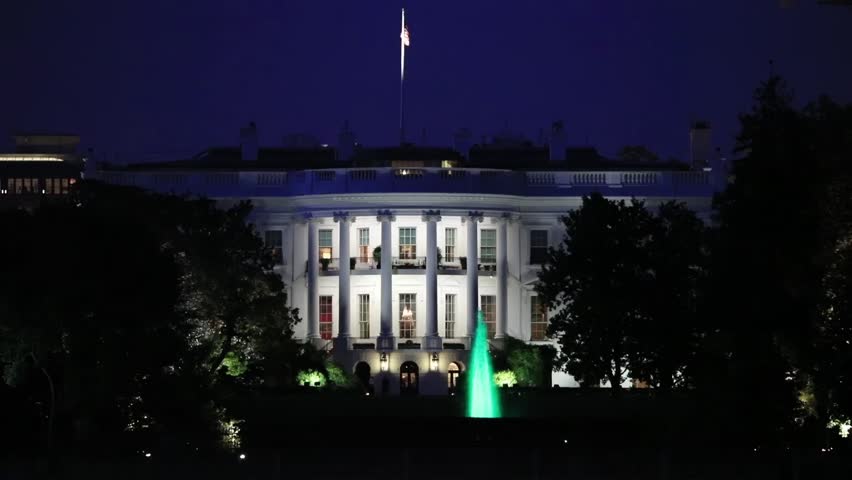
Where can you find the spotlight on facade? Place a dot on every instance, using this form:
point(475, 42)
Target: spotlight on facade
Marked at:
point(383, 362)
point(433, 363)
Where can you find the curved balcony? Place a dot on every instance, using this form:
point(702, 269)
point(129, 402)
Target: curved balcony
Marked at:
point(402, 266)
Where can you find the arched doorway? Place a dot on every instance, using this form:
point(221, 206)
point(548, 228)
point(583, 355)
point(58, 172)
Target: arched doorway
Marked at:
point(408, 378)
point(362, 373)
point(453, 372)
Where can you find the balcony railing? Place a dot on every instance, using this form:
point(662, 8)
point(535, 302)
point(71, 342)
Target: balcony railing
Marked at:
point(332, 265)
point(409, 262)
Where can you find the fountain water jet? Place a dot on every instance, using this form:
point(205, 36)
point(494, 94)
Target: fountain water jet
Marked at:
point(482, 398)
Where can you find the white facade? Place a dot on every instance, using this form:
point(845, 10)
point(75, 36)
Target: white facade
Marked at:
point(359, 205)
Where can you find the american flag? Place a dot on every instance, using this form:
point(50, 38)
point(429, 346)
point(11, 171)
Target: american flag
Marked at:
point(406, 38)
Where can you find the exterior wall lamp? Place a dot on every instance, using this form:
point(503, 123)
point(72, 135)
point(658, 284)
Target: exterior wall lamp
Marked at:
point(383, 362)
point(433, 363)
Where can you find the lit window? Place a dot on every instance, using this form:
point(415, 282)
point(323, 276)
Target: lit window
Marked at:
point(488, 305)
point(538, 247)
point(274, 240)
point(325, 244)
point(488, 246)
point(450, 316)
point(364, 316)
point(538, 320)
point(452, 376)
point(364, 245)
point(407, 315)
point(408, 243)
point(450, 245)
point(325, 317)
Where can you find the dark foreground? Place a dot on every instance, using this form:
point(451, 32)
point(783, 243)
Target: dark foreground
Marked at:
point(334, 460)
point(564, 436)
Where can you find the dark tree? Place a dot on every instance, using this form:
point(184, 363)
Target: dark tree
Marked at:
point(778, 248)
point(136, 307)
point(669, 335)
point(592, 282)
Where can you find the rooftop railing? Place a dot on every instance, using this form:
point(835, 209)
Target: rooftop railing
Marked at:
point(421, 180)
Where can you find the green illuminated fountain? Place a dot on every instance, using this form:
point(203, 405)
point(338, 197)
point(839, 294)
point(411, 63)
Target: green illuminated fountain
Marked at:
point(482, 398)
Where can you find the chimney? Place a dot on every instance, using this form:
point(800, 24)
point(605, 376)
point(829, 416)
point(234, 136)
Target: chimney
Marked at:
point(558, 143)
point(462, 142)
point(345, 143)
point(248, 142)
point(701, 146)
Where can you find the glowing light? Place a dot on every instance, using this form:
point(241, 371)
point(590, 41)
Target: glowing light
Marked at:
point(433, 364)
point(242, 456)
point(383, 362)
point(147, 455)
point(29, 158)
point(505, 378)
point(482, 400)
point(843, 427)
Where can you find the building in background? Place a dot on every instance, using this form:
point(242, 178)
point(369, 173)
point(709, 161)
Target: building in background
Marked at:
point(389, 252)
point(41, 167)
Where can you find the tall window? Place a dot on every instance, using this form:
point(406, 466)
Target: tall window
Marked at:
point(488, 246)
point(450, 245)
point(364, 316)
point(488, 305)
point(407, 242)
point(275, 241)
point(538, 320)
point(538, 246)
point(325, 317)
point(325, 244)
point(407, 315)
point(450, 316)
point(363, 245)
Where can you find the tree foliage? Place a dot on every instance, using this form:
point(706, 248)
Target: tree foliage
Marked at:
point(131, 303)
point(593, 283)
point(779, 270)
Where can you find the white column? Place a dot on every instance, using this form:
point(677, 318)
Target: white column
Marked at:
point(472, 219)
point(502, 274)
point(385, 340)
point(313, 273)
point(431, 341)
point(343, 316)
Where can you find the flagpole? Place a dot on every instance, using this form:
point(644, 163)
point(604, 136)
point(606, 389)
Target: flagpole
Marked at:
point(401, 82)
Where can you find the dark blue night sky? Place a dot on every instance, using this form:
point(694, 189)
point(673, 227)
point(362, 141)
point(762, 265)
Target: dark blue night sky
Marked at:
point(176, 76)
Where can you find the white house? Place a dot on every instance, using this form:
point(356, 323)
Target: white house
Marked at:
point(458, 230)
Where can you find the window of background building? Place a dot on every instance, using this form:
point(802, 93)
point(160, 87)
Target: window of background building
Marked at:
point(450, 245)
point(363, 245)
point(488, 305)
point(450, 315)
point(407, 315)
point(538, 320)
point(326, 321)
point(488, 245)
point(407, 242)
point(325, 244)
point(275, 241)
point(538, 246)
point(364, 316)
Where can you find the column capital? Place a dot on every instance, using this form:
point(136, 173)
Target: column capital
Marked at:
point(385, 216)
point(506, 217)
point(307, 217)
point(343, 217)
point(473, 216)
point(431, 216)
